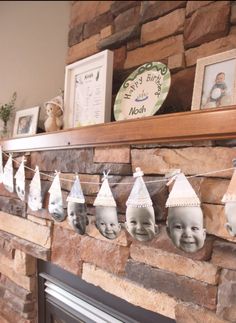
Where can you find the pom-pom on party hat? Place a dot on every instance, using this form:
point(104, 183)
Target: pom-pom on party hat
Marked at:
point(182, 193)
point(105, 196)
point(230, 195)
point(139, 196)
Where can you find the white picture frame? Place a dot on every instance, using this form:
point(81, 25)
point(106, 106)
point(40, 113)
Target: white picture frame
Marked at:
point(88, 90)
point(206, 92)
point(26, 122)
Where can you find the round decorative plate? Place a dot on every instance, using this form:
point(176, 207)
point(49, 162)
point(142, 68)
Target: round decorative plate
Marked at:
point(143, 92)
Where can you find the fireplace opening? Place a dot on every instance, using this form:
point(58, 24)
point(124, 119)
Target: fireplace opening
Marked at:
point(66, 298)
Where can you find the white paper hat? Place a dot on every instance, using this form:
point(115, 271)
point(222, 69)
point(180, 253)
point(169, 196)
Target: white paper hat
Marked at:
point(57, 101)
point(76, 194)
point(8, 180)
point(139, 196)
point(20, 174)
point(105, 196)
point(55, 188)
point(182, 193)
point(34, 197)
point(230, 195)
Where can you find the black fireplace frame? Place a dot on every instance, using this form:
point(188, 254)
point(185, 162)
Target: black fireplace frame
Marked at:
point(114, 305)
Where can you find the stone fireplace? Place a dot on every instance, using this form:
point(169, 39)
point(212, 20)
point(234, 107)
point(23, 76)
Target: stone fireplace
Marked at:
point(154, 276)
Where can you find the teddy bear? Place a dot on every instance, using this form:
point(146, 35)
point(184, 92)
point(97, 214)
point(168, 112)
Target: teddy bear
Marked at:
point(54, 110)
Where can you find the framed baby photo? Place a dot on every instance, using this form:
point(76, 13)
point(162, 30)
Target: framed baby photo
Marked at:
point(215, 81)
point(88, 90)
point(26, 122)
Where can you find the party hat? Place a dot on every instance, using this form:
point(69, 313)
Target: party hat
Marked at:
point(139, 196)
point(76, 194)
point(182, 193)
point(8, 175)
point(35, 198)
point(57, 101)
point(105, 196)
point(55, 188)
point(20, 180)
point(230, 195)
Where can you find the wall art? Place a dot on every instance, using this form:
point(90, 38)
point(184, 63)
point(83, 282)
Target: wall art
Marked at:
point(215, 81)
point(88, 90)
point(26, 122)
point(143, 92)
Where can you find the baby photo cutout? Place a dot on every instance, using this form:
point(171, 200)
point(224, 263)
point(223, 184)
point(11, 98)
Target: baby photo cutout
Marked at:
point(229, 199)
point(55, 205)
point(185, 217)
point(8, 180)
point(35, 195)
point(140, 216)
point(20, 180)
point(106, 212)
point(76, 208)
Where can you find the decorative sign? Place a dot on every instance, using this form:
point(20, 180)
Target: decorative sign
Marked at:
point(88, 89)
point(143, 92)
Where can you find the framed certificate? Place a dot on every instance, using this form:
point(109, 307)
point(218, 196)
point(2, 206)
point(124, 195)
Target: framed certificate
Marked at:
point(88, 90)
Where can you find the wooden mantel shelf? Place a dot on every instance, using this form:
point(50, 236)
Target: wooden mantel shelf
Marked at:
point(185, 126)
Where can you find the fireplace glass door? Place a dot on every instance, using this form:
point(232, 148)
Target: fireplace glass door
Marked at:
point(66, 298)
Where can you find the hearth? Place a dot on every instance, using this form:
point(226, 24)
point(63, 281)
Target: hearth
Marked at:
point(66, 298)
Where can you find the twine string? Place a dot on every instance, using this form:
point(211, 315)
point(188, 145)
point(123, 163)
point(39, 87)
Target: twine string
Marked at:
point(119, 183)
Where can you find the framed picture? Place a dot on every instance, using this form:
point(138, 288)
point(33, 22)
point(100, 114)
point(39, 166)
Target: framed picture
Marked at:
point(215, 81)
point(88, 90)
point(26, 122)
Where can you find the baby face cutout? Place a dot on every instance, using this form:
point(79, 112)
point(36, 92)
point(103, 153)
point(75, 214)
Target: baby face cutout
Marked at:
point(185, 227)
point(20, 190)
point(77, 216)
point(230, 212)
point(35, 201)
point(140, 222)
point(55, 208)
point(107, 221)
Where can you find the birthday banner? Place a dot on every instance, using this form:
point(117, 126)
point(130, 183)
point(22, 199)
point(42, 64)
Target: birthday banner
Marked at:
point(184, 223)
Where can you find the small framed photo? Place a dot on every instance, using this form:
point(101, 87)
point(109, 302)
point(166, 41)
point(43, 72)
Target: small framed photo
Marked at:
point(26, 122)
point(88, 90)
point(215, 81)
